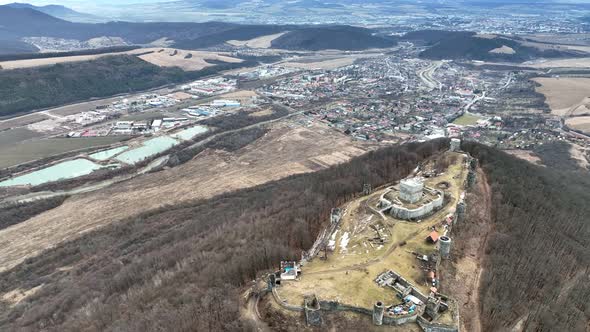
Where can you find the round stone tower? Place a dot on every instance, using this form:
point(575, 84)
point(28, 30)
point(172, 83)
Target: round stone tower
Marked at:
point(445, 246)
point(378, 310)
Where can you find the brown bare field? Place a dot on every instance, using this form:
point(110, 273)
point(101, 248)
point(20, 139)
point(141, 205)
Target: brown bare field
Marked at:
point(503, 50)
point(327, 64)
point(22, 121)
point(564, 95)
point(529, 156)
point(181, 95)
point(579, 153)
point(562, 63)
point(260, 42)
point(265, 112)
point(52, 61)
point(581, 123)
point(176, 58)
point(287, 149)
point(163, 59)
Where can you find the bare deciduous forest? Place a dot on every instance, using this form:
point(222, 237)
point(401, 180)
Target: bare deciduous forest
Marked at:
point(184, 266)
point(537, 263)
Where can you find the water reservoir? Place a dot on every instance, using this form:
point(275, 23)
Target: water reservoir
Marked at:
point(190, 133)
point(108, 154)
point(149, 148)
point(65, 170)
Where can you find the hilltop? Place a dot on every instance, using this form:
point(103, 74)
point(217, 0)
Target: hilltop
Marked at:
point(61, 12)
point(465, 45)
point(18, 23)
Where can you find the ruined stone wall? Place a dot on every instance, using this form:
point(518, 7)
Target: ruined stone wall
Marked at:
point(401, 212)
point(434, 327)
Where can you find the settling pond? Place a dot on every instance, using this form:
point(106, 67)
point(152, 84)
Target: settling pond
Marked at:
point(65, 170)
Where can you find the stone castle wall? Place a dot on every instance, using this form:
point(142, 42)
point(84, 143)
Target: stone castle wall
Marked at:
point(400, 212)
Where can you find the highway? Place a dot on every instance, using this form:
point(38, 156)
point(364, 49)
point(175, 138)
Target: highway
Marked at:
point(426, 75)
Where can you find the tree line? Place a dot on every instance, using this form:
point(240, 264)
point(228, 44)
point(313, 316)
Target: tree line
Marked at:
point(537, 262)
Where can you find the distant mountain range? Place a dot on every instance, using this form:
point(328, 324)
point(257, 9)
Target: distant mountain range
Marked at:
point(61, 12)
point(17, 23)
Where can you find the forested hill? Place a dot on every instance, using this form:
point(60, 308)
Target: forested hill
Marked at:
point(183, 266)
point(465, 45)
point(28, 89)
point(16, 23)
point(537, 263)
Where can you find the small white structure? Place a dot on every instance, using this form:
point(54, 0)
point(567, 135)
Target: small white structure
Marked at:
point(411, 190)
point(225, 103)
point(290, 270)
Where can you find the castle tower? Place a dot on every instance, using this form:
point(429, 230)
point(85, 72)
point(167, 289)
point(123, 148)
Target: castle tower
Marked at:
point(378, 311)
point(455, 145)
point(445, 246)
point(411, 190)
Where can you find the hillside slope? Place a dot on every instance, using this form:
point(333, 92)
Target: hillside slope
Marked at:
point(536, 264)
point(464, 45)
point(27, 22)
point(331, 37)
point(181, 266)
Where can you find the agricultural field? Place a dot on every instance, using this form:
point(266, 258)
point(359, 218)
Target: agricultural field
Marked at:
point(286, 150)
point(565, 95)
point(14, 136)
point(22, 121)
point(14, 154)
point(326, 62)
point(187, 60)
point(467, 119)
point(562, 63)
point(29, 63)
point(260, 42)
point(581, 123)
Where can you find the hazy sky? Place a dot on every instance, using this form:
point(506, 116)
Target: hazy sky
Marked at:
point(109, 6)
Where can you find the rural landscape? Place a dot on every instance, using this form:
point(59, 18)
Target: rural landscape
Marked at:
point(381, 165)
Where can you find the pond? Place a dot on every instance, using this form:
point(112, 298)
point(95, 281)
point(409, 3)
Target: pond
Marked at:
point(65, 170)
point(190, 133)
point(108, 154)
point(149, 148)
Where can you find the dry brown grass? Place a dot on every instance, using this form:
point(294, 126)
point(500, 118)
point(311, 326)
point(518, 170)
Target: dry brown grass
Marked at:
point(563, 63)
point(176, 58)
point(564, 95)
point(529, 156)
point(581, 123)
point(163, 59)
point(22, 121)
point(503, 50)
point(284, 151)
point(260, 42)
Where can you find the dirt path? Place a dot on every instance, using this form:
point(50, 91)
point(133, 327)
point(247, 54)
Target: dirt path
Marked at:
point(250, 313)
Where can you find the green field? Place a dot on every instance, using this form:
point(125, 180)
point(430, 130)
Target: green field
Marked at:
point(11, 137)
point(467, 120)
point(14, 154)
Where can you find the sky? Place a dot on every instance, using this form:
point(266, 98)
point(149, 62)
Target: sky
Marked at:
point(114, 7)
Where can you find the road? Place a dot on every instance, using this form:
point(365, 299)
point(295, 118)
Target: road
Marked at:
point(473, 102)
point(426, 75)
point(250, 313)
